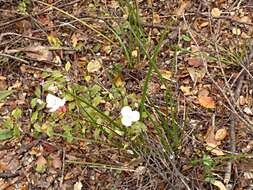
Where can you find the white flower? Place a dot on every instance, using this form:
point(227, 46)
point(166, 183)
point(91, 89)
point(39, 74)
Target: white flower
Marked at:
point(53, 88)
point(54, 103)
point(129, 116)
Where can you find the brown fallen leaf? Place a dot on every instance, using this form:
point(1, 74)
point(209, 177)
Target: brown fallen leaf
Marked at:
point(195, 62)
point(183, 6)
point(212, 143)
point(57, 163)
point(196, 74)
point(219, 184)
point(221, 134)
point(156, 18)
point(38, 52)
point(206, 102)
point(210, 137)
point(215, 12)
point(3, 84)
point(94, 65)
point(203, 92)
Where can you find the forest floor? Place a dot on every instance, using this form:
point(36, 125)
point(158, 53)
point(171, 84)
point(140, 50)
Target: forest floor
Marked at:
point(68, 69)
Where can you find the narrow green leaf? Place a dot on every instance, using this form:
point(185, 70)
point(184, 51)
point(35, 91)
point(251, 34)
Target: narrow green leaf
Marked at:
point(5, 134)
point(5, 93)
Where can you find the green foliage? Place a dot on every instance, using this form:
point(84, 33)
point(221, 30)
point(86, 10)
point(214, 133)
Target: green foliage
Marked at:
point(123, 31)
point(22, 6)
point(40, 167)
point(5, 93)
point(11, 126)
point(186, 38)
point(84, 116)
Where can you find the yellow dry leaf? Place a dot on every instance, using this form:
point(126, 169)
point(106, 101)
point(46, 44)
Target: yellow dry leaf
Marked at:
point(236, 31)
point(74, 40)
point(203, 24)
point(215, 12)
point(217, 152)
point(117, 80)
point(94, 66)
point(221, 134)
point(166, 74)
point(206, 101)
point(107, 49)
point(134, 53)
point(78, 185)
point(185, 89)
point(219, 184)
point(156, 18)
point(54, 41)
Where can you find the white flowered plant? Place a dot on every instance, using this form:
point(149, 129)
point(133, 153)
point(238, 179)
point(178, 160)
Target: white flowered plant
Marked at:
point(54, 103)
point(129, 116)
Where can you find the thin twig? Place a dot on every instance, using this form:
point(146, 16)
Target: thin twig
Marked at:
point(13, 57)
point(241, 77)
point(20, 35)
point(63, 166)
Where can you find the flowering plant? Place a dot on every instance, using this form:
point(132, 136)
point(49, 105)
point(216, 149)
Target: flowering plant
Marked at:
point(129, 116)
point(55, 103)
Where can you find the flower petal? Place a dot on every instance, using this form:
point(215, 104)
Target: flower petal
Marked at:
point(126, 121)
point(53, 102)
point(126, 110)
point(135, 116)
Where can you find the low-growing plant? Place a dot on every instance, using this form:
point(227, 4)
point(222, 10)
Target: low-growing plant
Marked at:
point(11, 126)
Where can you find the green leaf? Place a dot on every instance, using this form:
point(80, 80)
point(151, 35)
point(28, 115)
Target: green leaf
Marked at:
point(97, 133)
point(207, 161)
point(5, 93)
point(67, 66)
point(5, 134)
point(50, 131)
point(69, 136)
point(34, 102)
point(56, 75)
point(37, 92)
point(186, 38)
point(16, 130)
point(17, 113)
point(96, 101)
point(34, 116)
point(41, 168)
point(137, 128)
point(37, 127)
point(94, 90)
point(8, 123)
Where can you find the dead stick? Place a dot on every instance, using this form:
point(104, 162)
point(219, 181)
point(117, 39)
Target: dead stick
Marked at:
point(241, 77)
